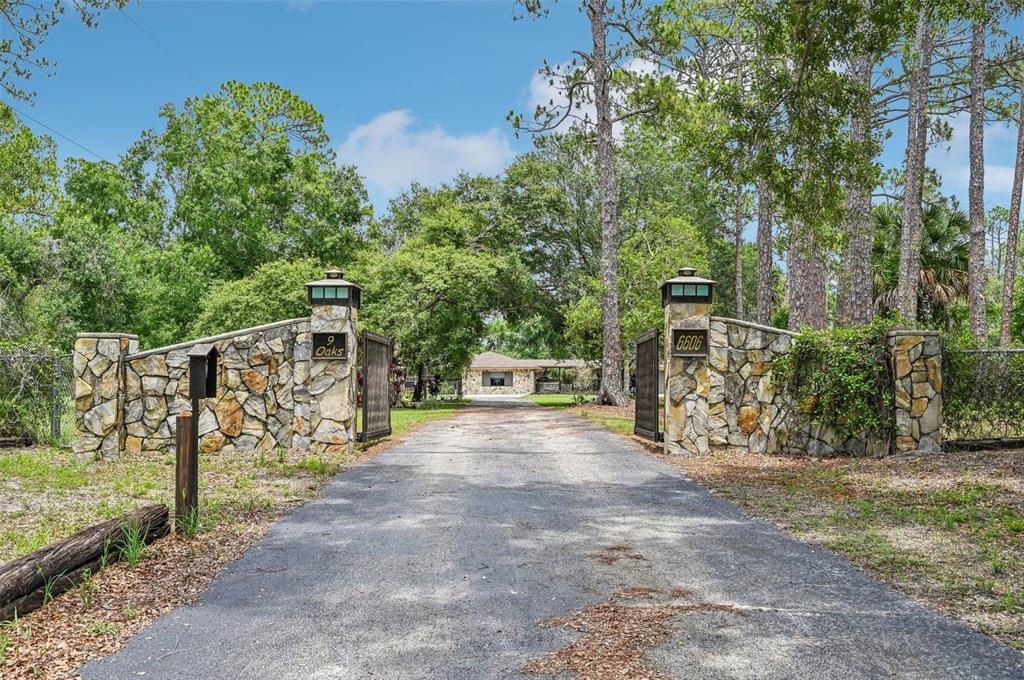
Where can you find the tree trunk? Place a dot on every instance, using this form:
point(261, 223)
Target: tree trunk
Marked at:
point(858, 307)
point(976, 276)
point(917, 138)
point(29, 582)
point(417, 393)
point(807, 295)
point(1010, 266)
point(611, 359)
point(738, 243)
point(764, 253)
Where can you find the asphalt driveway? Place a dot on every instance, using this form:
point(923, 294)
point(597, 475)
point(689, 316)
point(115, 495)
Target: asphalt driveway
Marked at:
point(441, 557)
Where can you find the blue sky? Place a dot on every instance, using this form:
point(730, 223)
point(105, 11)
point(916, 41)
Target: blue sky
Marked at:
point(409, 90)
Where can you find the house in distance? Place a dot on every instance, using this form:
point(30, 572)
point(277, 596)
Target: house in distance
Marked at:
point(493, 373)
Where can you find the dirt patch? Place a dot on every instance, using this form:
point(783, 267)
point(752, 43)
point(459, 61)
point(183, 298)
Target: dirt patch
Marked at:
point(636, 593)
point(614, 553)
point(617, 637)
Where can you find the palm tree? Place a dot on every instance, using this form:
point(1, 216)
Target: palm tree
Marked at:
point(944, 254)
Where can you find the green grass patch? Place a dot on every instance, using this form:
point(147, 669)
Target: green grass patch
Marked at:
point(555, 400)
point(404, 419)
point(44, 468)
point(99, 628)
point(620, 425)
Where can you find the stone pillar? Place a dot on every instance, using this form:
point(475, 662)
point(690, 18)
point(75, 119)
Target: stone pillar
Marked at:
point(99, 360)
point(917, 371)
point(687, 380)
point(331, 384)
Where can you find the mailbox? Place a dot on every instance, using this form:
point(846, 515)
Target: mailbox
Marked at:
point(202, 369)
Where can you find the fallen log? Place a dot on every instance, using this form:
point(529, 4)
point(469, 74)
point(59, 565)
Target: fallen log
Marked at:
point(26, 583)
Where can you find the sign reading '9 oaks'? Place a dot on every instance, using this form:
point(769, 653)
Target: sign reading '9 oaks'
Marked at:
point(687, 342)
point(330, 346)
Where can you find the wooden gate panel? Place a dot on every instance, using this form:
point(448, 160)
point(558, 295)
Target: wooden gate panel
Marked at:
point(377, 353)
point(647, 420)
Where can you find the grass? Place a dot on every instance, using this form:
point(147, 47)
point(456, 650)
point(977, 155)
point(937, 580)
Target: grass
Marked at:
point(37, 473)
point(404, 419)
point(945, 529)
point(133, 543)
point(557, 400)
point(101, 628)
point(48, 494)
point(616, 419)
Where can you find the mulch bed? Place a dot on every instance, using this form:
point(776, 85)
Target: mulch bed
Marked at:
point(54, 641)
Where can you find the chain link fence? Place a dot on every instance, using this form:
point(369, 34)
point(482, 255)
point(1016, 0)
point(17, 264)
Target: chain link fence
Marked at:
point(983, 396)
point(36, 399)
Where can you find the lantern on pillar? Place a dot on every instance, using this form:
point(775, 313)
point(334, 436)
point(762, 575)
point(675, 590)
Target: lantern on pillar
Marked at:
point(687, 287)
point(334, 290)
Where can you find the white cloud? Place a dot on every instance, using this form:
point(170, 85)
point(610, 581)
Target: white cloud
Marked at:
point(391, 153)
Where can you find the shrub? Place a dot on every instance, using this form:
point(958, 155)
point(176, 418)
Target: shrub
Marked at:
point(840, 378)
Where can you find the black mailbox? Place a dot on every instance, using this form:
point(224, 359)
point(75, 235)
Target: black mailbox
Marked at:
point(202, 369)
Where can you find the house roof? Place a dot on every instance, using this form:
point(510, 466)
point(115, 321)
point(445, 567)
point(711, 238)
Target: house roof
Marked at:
point(493, 360)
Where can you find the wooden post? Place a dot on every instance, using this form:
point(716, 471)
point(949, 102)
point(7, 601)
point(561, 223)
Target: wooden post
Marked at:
point(186, 486)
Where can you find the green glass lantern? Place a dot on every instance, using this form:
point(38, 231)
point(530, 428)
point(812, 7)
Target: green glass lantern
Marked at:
point(334, 290)
point(687, 287)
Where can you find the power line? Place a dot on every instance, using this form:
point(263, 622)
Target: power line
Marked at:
point(294, 135)
point(56, 132)
point(159, 44)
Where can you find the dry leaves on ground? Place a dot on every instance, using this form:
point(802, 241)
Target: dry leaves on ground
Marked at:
point(97, 618)
point(617, 636)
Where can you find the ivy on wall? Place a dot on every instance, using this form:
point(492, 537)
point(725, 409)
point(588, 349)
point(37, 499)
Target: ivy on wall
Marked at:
point(840, 378)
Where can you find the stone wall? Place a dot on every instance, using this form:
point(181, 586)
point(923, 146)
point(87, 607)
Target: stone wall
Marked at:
point(730, 401)
point(270, 392)
point(917, 370)
point(255, 404)
point(98, 362)
point(523, 381)
point(743, 407)
point(746, 411)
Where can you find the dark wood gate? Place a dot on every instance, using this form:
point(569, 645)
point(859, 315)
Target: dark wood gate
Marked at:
point(647, 420)
point(376, 389)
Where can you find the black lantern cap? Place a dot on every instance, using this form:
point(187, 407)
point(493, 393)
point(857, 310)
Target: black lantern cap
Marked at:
point(687, 287)
point(333, 290)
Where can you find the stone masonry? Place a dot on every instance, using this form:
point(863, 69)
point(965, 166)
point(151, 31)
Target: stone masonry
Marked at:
point(746, 411)
point(271, 392)
point(328, 392)
point(523, 381)
point(687, 386)
point(729, 400)
point(99, 360)
point(917, 370)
